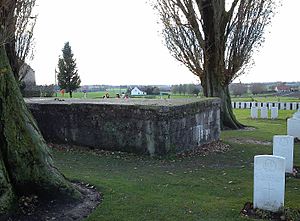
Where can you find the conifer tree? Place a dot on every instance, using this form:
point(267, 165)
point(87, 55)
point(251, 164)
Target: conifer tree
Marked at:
point(68, 78)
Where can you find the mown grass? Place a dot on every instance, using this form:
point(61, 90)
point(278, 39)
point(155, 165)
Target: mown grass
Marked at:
point(212, 187)
point(112, 94)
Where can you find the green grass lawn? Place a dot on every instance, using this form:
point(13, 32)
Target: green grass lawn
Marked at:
point(113, 92)
point(213, 187)
point(93, 95)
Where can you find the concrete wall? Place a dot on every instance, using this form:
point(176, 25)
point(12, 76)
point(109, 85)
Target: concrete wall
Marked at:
point(155, 128)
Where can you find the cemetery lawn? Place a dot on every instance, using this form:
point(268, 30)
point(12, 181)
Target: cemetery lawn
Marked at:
point(211, 187)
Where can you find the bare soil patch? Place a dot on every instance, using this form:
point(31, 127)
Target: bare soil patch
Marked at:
point(206, 149)
point(31, 208)
point(287, 214)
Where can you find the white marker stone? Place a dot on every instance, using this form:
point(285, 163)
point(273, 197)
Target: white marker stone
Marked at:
point(270, 105)
point(293, 125)
point(259, 104)
point(294, 106)
point(269, 182)
point(264, 104)
point(283, 146)
point(254, 112)
point(288, 106)
point(253, 104)
point(248, 105)
point(274, 112)
point(264, 113)
point(297, 115)
point(276, 105)
point(242, 105)
point(237, 105)
point(281, 106)
point(232, 104)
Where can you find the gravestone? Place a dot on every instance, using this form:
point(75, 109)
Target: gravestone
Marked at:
point(281, 106)
point(264, 104)
point(288, 106)
point(293, 125)
point(232, 105)
point(294, 106)
point(276, 105)
point(242, 105)
point(253, 104)
point(269, 182)
point(254, 112)
point(274, 112)
point(259, 104)
point(248, 105)
point(283, 146)
point(264, 113)
point(270, 105)
point(237, 105)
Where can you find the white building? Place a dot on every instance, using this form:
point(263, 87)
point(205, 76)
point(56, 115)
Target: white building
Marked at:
point(135, 91)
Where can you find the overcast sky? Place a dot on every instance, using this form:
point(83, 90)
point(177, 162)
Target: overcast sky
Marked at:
point(118, 43)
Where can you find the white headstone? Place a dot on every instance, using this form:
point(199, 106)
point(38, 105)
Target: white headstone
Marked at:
point(254, 112)
point(242, 105)
point(276, 105)
point(281, 106)
point(253, 104)
point(237, 105)
point(248, 105)
point(283, 146)
point(264, 104)
point(294, 106)
point(232, 104)
point(269, 182)
point(270, 105)
point(297, 115)
point(259, 104)
point(293, 125)
point(264, 112)
point(287, 106)
point(274, 112)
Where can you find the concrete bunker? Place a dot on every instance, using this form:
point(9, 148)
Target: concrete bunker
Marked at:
point(144, 126)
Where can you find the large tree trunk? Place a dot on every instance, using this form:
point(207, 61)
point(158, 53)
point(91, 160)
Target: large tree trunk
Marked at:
point(26, 166)
point(213, 88)
point(213, 81)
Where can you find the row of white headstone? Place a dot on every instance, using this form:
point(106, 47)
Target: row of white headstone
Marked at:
point(280, 105)
point(269, 174)
point(264, 112)
point(269, 170)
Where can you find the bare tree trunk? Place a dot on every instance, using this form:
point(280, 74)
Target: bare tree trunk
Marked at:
point(26, 166)
point(213, 81)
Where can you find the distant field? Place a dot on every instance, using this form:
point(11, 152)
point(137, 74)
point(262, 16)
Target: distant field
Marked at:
point(93, 95)
point(266, 99)
point(112, 94)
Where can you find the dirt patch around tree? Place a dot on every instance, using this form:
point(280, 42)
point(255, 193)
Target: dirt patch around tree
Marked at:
point(31, 208)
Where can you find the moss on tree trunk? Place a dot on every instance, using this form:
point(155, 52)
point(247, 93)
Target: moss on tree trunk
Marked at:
point(26, 166)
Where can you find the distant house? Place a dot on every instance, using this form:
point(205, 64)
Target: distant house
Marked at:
point(135, 91)
point(282, 88)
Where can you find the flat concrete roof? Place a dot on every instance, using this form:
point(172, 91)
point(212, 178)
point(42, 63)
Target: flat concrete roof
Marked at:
point(118, 101)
